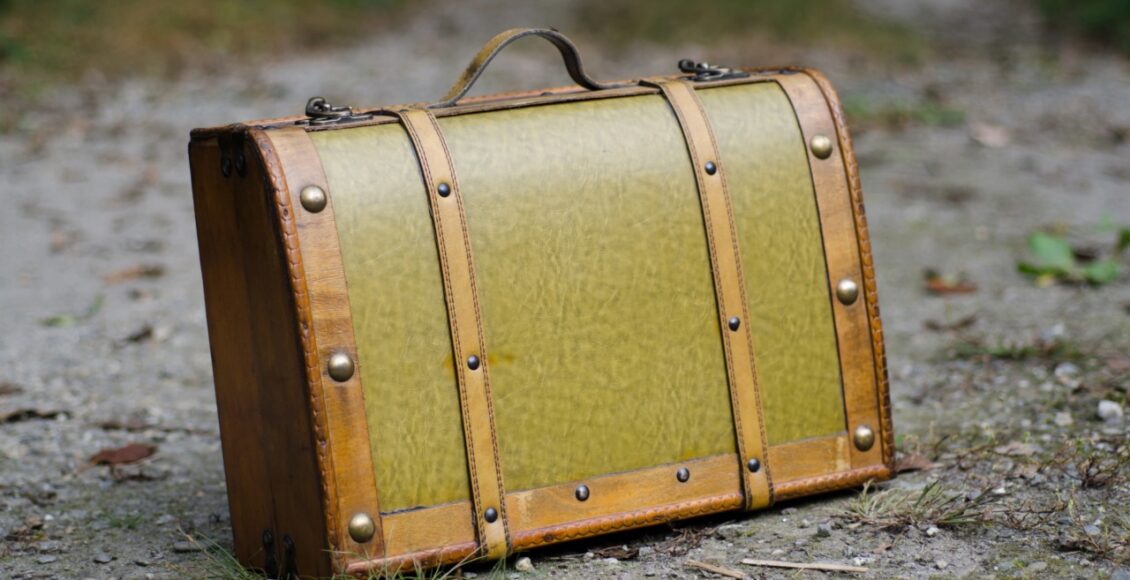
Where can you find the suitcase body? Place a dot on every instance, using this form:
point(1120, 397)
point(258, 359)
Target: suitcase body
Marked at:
point(473, 328)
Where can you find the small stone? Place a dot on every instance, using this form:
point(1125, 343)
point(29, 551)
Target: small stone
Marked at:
point(524, 565)
point(1121, 574)
point(1110, 412)
point(589, 555)
point(646, 551)
point(611, 561)
point(804, 524)
point(46, 559)
point(1036, 567)
point(862, 560)
point(103, 559)
point(1065, 370)
point(49, 546)
point(1063, 419)
point(777, 552)
point(788, 511)
point(186, 547)
point(932, 531)
point(1091, 530)
point(941, 564)
point(166, 519)
point(824, 531)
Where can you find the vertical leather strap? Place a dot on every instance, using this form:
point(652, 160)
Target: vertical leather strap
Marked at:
point(729, 289)
point(463, 312)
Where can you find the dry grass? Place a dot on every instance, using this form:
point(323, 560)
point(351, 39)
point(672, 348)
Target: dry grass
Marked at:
point(933, 505)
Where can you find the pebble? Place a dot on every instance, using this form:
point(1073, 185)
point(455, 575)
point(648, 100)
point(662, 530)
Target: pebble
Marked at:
point(777, 552)
point(1091, 530)
point(1065, 370)
point(1036, 567)
point(103, 559)
point(611, 561)
point(646, 551)
point(1121, 574)
point(1110, 412)
point(1063, 419)
point(788, 511)
point(186, 547)
point(46, 559)
point(824, 531)
point(49, 546)
point(804, 524)
point(932, 531)
point(942, 564)
point(589, 555)
point(524, 565)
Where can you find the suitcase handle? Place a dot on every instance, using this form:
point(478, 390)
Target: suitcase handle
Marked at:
point(491, 49)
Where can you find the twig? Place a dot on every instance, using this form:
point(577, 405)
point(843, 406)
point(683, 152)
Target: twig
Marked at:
point(715, 569)
point(797, 566)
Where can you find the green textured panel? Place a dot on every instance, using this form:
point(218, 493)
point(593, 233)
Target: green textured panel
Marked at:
point(396, 294)
point(763, 154)
point(596, 288)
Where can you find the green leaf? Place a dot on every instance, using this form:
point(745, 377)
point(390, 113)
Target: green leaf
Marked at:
point(1102, 272)
point(1052, 252)
point(1123, 239)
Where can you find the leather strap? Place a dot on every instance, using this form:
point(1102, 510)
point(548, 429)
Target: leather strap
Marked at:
point(463, 312)
point(729, 288)
point(568, 50)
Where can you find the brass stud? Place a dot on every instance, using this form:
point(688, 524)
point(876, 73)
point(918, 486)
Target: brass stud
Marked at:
point(753, 465)
point(361, 528)
point(683, 474)
point(710, 168)
point(490, 515)
point(864, 438)
point(313, 198)
point(847, 291)
point(340, 367)
point(582, 492)
point(443, 190)
point(473, 362)
point(734, 323)
point(821, 146)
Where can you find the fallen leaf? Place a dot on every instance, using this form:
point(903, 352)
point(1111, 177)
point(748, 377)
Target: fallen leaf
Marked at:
point(959, 324)
point(1017, 448)
point(21, 415)
point(134, 273)
point(618, 552)
point(989, 135)
point(913, 462)
point(131, 453)
point(8, 388)
point(944, 285)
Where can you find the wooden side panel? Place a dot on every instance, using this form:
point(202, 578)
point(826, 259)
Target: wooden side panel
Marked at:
point(261, 391)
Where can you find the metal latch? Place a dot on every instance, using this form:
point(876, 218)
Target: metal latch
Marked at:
point(708, 72)
point(321, 112)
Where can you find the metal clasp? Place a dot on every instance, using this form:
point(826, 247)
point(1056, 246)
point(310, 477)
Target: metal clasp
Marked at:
point(321, 112)
point(707, 72)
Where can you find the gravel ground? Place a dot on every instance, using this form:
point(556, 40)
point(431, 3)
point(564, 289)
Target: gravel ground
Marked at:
point(103, 339)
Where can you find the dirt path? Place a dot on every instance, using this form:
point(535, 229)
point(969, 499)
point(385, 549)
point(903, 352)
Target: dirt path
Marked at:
point(104, 340)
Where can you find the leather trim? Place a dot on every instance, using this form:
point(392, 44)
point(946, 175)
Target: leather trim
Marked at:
point(871, 296)
point(465, 317)
point(839, 222)
point(314, 257)
point(729, 288)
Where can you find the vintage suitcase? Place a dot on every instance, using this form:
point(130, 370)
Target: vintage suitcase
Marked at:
point(468, 328)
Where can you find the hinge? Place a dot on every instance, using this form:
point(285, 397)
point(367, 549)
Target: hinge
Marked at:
point(708, 72)
point(321, 112)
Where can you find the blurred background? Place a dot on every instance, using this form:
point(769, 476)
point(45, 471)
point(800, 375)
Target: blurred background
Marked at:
point(993, 143)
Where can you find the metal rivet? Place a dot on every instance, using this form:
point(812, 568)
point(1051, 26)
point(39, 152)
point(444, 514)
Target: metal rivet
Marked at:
point(582, 492)
point(361, 528)
point(753, 465)
point(340, 367)
point(225, 166)
point(847, 291)
point(472, 362)
point(864, 438)
point(490, 515)
point(711, 168)
point(313, 198)
point(821, 146)
point(683, 474)
point(734, 322)
point(443, 190)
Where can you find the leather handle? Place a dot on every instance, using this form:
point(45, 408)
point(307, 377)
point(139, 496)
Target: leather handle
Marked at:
point(568, 50)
